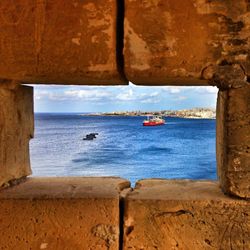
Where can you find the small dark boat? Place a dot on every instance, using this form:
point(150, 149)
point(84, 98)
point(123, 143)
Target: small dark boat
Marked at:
point(90, 137)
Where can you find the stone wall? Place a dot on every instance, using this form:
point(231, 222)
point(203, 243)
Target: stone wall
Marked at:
point(16, 129)
point(190, 42)
point(84, 42)
point(178, 42)
point(233, 130)
point(62, 213)
point(233, 140)
point(60, 41)
point(168, 214)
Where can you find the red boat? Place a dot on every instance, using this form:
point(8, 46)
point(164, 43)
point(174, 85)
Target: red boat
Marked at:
point(154, 121)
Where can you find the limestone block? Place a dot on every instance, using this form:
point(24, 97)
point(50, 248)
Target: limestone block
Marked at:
point(233, 140)
point(59, 41)
point(16, 129)
point(169, 214)
point(61, 213)
point(176, 42)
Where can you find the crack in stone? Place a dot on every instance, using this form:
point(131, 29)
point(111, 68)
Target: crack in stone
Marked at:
point(174, 213)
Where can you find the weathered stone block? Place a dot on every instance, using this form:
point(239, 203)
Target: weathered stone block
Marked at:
point(60, 41)
point(163, 214)
point(176, 42)
point(61, 213)
point(16, 129)
point(233, 140)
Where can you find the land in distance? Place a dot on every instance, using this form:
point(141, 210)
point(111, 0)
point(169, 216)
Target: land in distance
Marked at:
point(195, 113)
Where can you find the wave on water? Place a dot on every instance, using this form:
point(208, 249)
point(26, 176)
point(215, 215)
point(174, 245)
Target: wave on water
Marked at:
point(182, 148)
point(156, 149)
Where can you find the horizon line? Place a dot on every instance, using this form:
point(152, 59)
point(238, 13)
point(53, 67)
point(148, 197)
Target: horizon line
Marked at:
point(79, 112)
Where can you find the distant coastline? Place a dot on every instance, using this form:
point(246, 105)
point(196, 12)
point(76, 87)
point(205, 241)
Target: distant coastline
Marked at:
point(195, 113)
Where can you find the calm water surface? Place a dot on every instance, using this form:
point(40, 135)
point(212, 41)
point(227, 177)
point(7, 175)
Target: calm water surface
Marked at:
point(183, 148)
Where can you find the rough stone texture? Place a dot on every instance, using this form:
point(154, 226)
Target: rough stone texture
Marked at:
point(61, 213)
point(16, 129)
point(233, 140)
point(177, 42)
point(162, 214)
point(59, 41)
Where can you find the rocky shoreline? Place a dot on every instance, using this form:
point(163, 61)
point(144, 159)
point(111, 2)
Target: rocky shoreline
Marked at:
point(196, 113)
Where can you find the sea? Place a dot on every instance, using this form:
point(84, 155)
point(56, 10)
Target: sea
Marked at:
point(180, 149)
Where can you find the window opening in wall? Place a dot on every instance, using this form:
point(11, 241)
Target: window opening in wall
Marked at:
point(182, 148)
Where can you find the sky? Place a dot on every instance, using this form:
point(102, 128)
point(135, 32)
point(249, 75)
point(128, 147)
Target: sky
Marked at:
point(59, 99)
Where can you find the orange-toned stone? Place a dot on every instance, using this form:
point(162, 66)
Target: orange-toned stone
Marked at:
point(60, 41)
point(233, 140)
point(176, 42)
point(61, 213)
point(16, 129)
point(163, 214)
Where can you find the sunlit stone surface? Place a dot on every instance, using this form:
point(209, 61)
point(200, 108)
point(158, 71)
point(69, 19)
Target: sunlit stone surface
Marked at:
point(62, 213)
point(168, 214)
point(59, 41)
point(16, 129)
point(176, 42)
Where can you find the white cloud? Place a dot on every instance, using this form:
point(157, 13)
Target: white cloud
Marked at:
point(154, 94)
point(173, 90)
point(211, 90)
point(150, 100)
point(87, 95)
point(96, 94)
point(120, 94)
point(181, 98)
point(126, 95)
point(205, 90)
point(39, 95)
point(138, 96)
point(199, 89)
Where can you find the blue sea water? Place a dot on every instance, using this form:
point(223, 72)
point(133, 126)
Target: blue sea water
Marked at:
point(183, 148)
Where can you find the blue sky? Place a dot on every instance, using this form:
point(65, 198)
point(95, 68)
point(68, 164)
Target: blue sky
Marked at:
point(121, 98)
